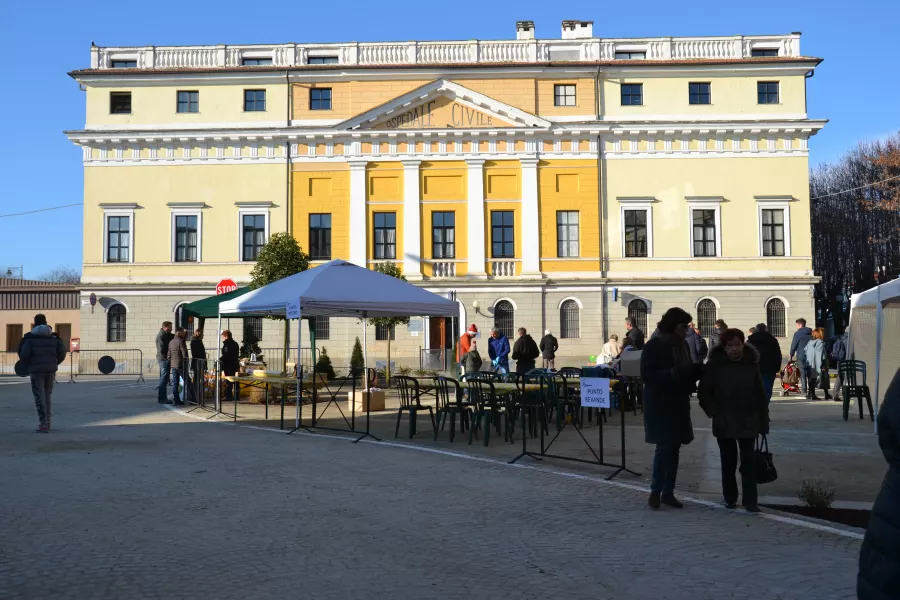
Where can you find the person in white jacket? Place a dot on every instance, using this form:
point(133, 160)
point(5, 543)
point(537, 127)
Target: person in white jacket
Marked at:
point(610, 350)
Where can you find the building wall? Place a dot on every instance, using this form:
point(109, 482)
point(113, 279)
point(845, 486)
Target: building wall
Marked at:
point(25, 318)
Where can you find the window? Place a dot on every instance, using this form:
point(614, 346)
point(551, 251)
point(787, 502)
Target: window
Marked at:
point(120, 103)
point(385, 235)
point(115, 323)
point(704, 231)
point(767, 92)
point(123, 64)
point(569, 320)
point(699, 93)
point(385, 332)
point(253, 326)
point(505, 317)
point(118, 239)
point(443, 235)
point(566, 234)
point(563, 95)
point(256, 62)
point(764, 52)
point(775, 317)
point(320, 99)
point(706, 316)
point(323, 328)
point(632, 94)
point(502, 234)
point(186, 238)
point(773, 231)
point(635, 233)
point(253, 235)
point(254, 100)
point(188, 102)
point(183, 321)
point(637, 310)
point(631, 55)
point(320, 236)
point(322, 60)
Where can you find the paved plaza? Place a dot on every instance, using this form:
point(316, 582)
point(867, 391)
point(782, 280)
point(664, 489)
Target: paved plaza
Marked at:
point(127, 499)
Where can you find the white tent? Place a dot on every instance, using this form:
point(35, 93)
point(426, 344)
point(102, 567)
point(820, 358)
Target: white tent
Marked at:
point(339, 289)
point(871, 314)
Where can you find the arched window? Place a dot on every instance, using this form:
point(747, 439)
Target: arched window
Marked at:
point(775, 317)
point(186, 322)
point(505, 317)
point(637, 310)
point(115, 323)
point(706, 316)
point(569, 320)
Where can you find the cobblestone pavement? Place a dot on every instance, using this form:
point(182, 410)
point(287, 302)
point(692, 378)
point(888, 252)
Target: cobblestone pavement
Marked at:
point(127, 500)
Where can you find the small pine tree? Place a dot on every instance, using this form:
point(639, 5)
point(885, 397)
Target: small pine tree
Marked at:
point(249, 343)
point(323, 365)
point(357, 360)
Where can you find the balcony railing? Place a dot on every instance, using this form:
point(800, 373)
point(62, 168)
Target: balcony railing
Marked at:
point(503, 268)
point(441, 268)
point(447, 52)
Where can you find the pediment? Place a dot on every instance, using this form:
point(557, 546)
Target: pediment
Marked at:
point(443, 104)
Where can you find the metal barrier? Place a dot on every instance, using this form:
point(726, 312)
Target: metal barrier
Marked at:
point(8, 363)
point(274, 358)
point(128, 362)
point(437, 359)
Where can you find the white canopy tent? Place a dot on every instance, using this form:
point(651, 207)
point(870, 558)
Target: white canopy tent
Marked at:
point(871, 314)
point(339, 289)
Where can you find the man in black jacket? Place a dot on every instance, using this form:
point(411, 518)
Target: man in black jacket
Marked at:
point(634, 335)
point(163, 338)
point(548, 348)
point(769, 357)
point(525, 352)
point(41, 351)
point(798, 348)
point(230, 361)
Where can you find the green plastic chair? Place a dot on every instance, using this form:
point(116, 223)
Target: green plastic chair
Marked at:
point(851, 373)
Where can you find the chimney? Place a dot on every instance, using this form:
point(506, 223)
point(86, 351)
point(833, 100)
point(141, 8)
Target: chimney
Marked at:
point(524, 30)
point(577, 30)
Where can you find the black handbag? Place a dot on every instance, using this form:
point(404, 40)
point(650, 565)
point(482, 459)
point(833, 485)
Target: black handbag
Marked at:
point(765, 467)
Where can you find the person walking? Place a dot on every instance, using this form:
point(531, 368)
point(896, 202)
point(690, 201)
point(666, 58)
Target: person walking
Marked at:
point(798, 348)
point(610, 351)
point(548, 347)
point(41, 352)
point(230, 362)
point(816, 364)
point(669, 380)
point(718, 327)
point(471, 361)
point(498, 351)
point(178, 360)
point(162, 350)
point(732, 394)
point(769, 357)
point(634, 333)
point(879, 557)
point(525, 352)
point(693, 341)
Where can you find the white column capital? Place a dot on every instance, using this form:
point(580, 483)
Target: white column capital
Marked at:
point(409, 163)
point(357, 165)
point(475, 163)
point(530, 162)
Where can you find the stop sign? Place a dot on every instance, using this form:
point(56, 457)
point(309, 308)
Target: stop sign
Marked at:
point(225, 286)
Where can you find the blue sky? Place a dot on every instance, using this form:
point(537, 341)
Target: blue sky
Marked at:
point(857, 87)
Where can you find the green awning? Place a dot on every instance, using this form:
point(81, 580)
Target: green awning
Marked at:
point(208, 308)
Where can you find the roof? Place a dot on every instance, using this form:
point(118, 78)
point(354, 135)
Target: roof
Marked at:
point(207, 308)
point(13, 283)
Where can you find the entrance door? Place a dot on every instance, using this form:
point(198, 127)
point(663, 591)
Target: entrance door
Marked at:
point(436, 333)
point(13, 337)
point(64, 331)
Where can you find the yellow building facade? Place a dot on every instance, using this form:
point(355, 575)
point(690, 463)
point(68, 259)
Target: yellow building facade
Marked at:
point(558, 184)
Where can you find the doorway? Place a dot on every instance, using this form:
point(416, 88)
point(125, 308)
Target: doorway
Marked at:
point(13, 336)
point(64, 331)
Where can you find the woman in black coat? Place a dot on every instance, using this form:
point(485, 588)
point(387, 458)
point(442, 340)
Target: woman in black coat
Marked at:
point(669, 380)
point(879, 560)
point(732, 394)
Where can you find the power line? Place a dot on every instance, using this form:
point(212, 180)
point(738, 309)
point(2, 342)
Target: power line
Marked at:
point(857, 188)
point(31, 212)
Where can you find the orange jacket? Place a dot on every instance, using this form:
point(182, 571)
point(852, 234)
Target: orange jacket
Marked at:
point(465, 342)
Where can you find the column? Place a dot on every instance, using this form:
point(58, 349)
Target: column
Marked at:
point(358, 238)
point(531, 221)
point(412, 251)
point(476, 218)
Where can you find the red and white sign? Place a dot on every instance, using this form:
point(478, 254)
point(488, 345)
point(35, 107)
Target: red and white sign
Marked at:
point(225, 286)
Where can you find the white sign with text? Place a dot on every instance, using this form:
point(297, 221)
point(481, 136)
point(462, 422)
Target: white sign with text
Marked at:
point(595, 392)
point(292, 309)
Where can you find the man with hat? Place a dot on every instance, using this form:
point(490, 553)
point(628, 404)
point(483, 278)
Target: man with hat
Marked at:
point(465, 342)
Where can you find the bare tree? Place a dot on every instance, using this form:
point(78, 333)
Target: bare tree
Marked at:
point(62, 274)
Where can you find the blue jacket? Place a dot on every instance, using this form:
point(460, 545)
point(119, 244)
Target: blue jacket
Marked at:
point(815, 355)
point(499, 347)
point(42, 351)
point(693, 342)
point(798, 345)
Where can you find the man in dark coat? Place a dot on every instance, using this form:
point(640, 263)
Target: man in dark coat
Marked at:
point(879, 559)
point(525, 352)
point(163, 337)
point(41, 351)
point(634, 334)
point(694, 345)
point(230, 361)
point(548, 347)
point(718, 327)
point(769, 357)
point(802, 337)
point(669, 380)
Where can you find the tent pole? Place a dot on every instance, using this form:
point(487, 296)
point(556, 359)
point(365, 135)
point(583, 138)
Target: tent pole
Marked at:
point(218, 370)
point(299, 368)
point(878, 318)
point(365, 354)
